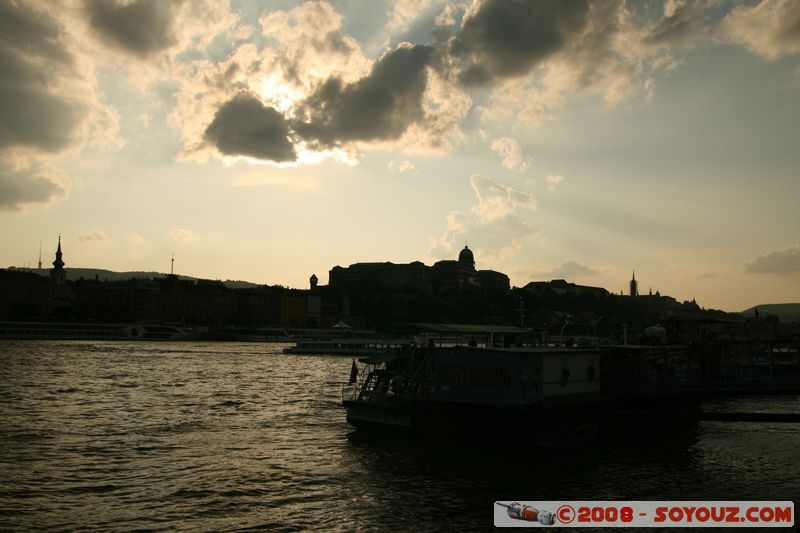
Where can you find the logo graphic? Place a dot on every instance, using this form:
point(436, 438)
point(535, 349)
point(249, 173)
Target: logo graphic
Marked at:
point(529, 514)
point(566, 514)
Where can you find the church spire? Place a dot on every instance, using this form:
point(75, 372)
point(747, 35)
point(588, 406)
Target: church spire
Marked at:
point(58, 263)
point(57, 274)
point(634, 285)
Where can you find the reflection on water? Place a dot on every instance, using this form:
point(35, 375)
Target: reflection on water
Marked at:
point(210, 436)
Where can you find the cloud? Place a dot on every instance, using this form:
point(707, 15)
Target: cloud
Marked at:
point(496, 200)
point(36, 112)
point(400, 167)
point(606, 56)
point(335, 101)
point(783, 261)
point(681, 21)
point(770, 28)
point(27, 185)
point(448, 15)
point(146, 28)
point(600, 48)
point(490, 239)
point(404, 12)
point(49, 101)
point(97, 235)
point(142, 27)
point(496, 227)
point(182, 235)
point(569, 269)
point(135, 238)
point(508, 38)
point(521, 102)
point(511, 153)
point(311, 45)
point(245, 126)
point(380, 106)
point(553, 181)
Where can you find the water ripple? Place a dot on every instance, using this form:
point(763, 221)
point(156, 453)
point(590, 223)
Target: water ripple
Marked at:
point(111, 436)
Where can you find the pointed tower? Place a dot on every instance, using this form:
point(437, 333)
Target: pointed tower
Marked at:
point(312, 281)
point(634, 285)
point(57, 274)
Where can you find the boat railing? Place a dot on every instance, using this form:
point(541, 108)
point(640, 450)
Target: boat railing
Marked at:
point(379, 388)
point(349, 391)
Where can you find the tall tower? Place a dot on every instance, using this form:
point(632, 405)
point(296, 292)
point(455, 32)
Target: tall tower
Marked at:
point(634, 289)
point(313, 280)
point(57, 274)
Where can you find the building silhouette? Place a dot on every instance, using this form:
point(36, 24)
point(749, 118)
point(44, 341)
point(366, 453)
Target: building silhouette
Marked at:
point(58, 275)
point(446, 277)
point(634, 290)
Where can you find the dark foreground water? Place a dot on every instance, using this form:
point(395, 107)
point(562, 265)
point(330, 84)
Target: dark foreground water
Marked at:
point(211, 436)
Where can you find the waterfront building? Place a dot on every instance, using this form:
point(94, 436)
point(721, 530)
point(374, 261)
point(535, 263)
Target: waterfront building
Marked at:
point(402, 277)
point(23, 294)
point(132, 300)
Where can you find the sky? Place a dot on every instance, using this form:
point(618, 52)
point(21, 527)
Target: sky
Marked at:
point(267, 141)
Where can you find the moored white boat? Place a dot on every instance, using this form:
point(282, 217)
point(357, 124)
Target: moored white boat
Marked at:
point(470, 388)
point(344, 346)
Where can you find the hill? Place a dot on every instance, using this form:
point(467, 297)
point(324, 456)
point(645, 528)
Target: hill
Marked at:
point(74, 274)
point(784, 312)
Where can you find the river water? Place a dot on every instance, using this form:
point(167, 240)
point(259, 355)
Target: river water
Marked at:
point(232, 436)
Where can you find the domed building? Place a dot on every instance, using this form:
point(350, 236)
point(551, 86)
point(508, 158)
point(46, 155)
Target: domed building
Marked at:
point(456, 276)
point(466, 258)
point(448, 276)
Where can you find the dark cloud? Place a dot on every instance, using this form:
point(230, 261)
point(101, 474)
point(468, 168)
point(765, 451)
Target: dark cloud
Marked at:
point(507, 38)
point(676, 28)
point(31, 32)
point(141, 27)
point(380, 106)
point(784, 261)
point(245, 126)
point(20, 187)
point(32, 60)
point(35, 118)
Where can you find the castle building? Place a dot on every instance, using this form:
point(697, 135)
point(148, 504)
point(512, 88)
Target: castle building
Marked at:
point(446, 276)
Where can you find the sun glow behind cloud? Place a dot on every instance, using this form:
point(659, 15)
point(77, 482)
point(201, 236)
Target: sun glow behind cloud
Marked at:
point(276, 92)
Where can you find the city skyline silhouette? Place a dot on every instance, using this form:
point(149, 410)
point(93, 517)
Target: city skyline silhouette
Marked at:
point(265, 143)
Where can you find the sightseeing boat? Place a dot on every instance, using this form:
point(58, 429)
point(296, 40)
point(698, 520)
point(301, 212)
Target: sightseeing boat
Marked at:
point(95, 331)
point(443, 388)
point(344, 346)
